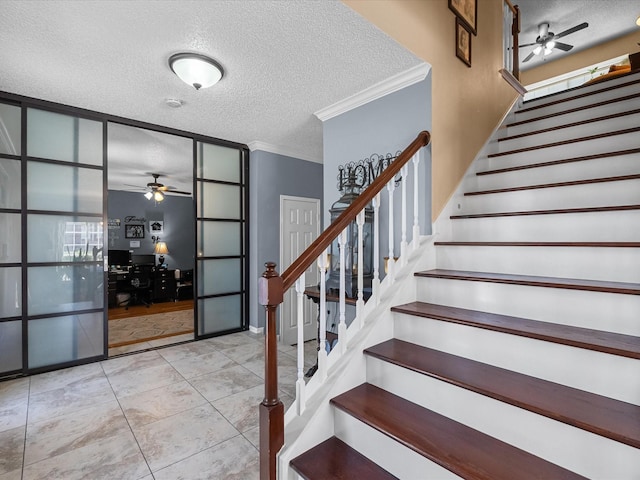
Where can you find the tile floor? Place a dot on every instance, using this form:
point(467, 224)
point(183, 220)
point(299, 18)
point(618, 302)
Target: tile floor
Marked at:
point(187, 412)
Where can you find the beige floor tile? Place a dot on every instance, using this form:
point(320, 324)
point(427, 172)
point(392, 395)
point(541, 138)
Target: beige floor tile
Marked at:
point(225, 382)
point(136, 361)
point(16, 389)
point(234, 459)
point(153, 405)
point(253, 435)
point(15, 475)
point(202, 364)
point(13, 412)
point(11, 449)
point(117, 457)
point(70, 399)
point(125, 383)
point(188, 350)
point(241, 409)
point(234, 340)
point(68, 377)
point(180, 436)
point(62, 434)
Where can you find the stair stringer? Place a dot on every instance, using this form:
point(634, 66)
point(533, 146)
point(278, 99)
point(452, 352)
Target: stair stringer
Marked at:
point(316, 423)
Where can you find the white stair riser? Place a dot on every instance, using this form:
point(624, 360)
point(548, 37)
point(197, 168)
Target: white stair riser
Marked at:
point(613, 226)
point(600, 373)
point(559, 120)
point(596, 168)
point(385, 451)
point(570, 447)
point(595, 263)
point(621, 192)
point(610, 312)
point(590, 89)
point(577, 149)
point(568, 133)
point(526, 113)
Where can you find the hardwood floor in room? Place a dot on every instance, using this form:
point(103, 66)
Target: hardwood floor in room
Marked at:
point(137, 310)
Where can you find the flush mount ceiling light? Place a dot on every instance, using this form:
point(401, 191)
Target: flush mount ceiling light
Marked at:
point(196, 70)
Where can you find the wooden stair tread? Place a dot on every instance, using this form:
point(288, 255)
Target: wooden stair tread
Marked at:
point(560, 162)
point(573, 110)
point(569, 125)
point(542, 244)
point(566, 142)
point(536, 281)
point(334, 459)
point(580, 95)
point(612, 208)
point(590, 339)
point(460, 449)
point(597, 414)
point(571, 183)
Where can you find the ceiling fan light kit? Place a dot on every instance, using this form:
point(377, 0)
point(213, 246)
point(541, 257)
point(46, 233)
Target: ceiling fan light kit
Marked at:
point(156, 190)
point(196, 70)
point(546, 41)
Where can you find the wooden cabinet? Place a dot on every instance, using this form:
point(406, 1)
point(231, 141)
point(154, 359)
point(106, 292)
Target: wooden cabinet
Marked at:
point(164, 285)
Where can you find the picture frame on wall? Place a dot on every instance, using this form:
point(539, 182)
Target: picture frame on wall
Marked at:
point(467, 12)
point(156, 226)
point(134, 231)
point(463, 43)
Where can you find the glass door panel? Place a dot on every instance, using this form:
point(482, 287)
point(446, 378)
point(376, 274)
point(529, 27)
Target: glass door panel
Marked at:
point(221, 176)
point(64, 245)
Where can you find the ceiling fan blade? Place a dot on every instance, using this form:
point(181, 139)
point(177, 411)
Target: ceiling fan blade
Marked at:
point(180, 192)
point(528, 57)
point(528, 44)
point(571, 30)
point(563, 46)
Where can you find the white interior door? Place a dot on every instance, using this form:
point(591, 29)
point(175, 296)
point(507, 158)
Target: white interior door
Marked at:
point(299, 226)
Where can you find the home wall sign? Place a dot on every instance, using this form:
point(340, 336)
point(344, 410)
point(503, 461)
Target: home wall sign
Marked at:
point(363, 172)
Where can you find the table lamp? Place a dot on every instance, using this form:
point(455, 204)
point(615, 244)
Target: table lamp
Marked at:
point(162, 250)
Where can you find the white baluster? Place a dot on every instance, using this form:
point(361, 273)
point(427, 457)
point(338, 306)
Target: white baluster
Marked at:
point(416, 204)
point(391, 187)
point(342, 326)
point(375, 283)
point(403, 238)
point(323, 264)
point(300, 385)
point(360, 301)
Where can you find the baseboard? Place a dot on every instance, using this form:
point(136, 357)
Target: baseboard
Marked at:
point(253, 329)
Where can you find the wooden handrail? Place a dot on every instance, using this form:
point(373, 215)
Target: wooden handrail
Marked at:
point(320, 244)
point(511, 7)
point(271, 288)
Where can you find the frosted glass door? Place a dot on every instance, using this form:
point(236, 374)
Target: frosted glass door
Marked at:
point(221, 239)
point(64, 223)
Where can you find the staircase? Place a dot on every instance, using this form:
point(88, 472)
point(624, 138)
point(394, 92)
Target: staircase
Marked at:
point(520, 355)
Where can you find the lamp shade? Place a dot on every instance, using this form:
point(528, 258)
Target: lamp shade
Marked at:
point(195, 69)
point(161, 248)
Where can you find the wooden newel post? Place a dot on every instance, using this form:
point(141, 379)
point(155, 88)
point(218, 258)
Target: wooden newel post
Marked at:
point(270, 293)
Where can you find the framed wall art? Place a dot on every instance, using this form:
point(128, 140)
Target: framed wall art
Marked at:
point(467, 12)
point(134, 231)
point(463, 43)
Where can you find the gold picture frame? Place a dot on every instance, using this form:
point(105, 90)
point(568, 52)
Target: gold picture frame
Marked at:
point(467, 11)
point(463, 42)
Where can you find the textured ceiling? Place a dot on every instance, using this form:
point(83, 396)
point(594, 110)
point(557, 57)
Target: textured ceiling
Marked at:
point(607, 19)
point(283, 61)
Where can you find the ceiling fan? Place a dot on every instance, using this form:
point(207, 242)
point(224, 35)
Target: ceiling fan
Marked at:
point(547, 41)
point(156, 189)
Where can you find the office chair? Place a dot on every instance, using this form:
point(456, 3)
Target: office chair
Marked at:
point(140, 282)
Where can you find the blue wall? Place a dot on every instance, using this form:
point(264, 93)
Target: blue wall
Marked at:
point(272, 175)
point(382, 126)
point(179, 225)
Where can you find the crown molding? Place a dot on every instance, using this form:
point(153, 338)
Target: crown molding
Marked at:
point(379, 90)
point(280, 150)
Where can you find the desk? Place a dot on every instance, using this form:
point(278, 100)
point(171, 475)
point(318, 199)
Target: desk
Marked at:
point(163, 285)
